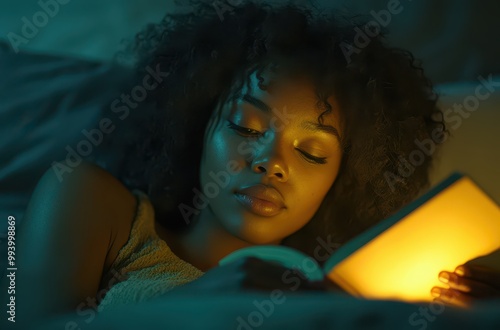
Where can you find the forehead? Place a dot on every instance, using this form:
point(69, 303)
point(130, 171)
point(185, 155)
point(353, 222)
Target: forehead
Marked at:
point(297, 94)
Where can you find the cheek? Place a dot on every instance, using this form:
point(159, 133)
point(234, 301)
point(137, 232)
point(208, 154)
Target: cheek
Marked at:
point(221, 151)
point(221, 147)
point(310, 196)
point(313, 190)
point(226, 146)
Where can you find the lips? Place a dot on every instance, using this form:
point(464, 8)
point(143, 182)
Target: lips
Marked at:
point(261, 199)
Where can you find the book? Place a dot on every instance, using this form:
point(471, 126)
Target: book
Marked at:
point(400, 257)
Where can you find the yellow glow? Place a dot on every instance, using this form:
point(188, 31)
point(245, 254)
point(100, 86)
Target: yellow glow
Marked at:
point(459, 224)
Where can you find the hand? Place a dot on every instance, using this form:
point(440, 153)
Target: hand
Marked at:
point(478, 279)
point(251, 273)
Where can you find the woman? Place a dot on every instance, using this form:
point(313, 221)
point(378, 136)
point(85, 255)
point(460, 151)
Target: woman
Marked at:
point(268, 128)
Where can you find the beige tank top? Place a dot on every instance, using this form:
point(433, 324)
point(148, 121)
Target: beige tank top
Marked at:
point(145, 266)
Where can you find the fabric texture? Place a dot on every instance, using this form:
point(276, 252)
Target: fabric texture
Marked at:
point(145, 266)
point(48, 106)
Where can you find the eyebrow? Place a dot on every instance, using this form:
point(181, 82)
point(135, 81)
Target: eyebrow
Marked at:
point(307, 125)
point(316, 127)
point(257, 103)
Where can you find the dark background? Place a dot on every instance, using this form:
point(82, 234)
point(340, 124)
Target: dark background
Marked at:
point(455, 39)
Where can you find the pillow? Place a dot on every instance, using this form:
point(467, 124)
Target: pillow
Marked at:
point(49, 107)
point(472, 111)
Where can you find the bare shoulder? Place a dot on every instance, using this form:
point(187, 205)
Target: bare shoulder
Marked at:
point(70, 234)
point(94, 196)
point(87, 182)
point(87, 174)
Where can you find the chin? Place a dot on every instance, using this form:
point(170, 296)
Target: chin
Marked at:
point(252, 230)
point(256, 239)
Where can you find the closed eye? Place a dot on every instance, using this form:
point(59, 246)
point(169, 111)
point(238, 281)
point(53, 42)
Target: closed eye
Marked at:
point(248, 132)
point(311, 158)
point(243, 130)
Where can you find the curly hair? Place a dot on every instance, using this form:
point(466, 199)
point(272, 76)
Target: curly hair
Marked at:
point(383, 95)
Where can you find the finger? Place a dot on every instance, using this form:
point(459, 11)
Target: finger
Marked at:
point(445, 303)
point(455, 281)
point(441, 302)
point(467, 285)
point(479, 273)
point(451, 297)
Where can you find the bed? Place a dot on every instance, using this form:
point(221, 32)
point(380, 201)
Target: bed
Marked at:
point(48, 100)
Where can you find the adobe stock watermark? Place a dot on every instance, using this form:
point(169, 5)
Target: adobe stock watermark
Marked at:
point(426, 314)
point(371, 29)
point(453, 116)
point(121, 107)
point(32, 26)
point(266, 307)
point(220, 180)
point(91, 306)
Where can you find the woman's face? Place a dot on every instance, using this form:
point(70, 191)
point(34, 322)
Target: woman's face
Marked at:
point(266, 167)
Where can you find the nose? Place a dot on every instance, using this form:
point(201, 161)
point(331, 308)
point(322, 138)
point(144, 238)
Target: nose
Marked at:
point(268, 161)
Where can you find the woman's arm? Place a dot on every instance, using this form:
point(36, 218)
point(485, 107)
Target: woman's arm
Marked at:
point(71, 233)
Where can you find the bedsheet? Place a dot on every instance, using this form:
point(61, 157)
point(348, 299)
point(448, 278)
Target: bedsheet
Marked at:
point(84, 89)
point(291, 310)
